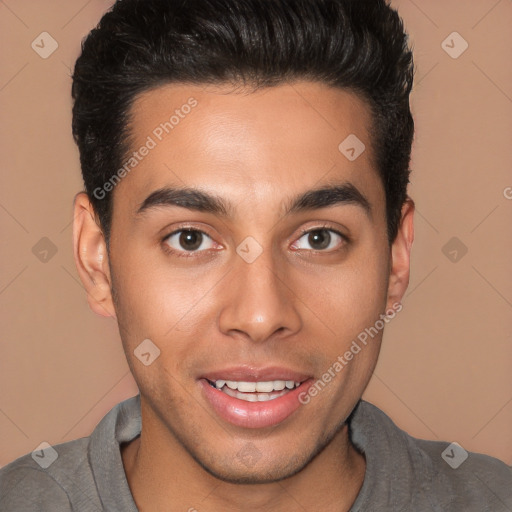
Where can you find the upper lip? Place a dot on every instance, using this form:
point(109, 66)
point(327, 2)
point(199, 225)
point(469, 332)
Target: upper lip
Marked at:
point(255, 374)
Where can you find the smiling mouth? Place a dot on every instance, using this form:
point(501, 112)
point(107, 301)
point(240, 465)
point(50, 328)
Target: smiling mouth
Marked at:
point(261, 391)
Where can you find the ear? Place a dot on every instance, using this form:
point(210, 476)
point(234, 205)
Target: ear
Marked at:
point(91, 256)
point(400, 255)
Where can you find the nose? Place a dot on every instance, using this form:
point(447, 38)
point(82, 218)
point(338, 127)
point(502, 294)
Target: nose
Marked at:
point(259, 302)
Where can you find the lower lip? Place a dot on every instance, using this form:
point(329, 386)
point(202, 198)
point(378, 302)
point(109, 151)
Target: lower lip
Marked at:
point(254, 414)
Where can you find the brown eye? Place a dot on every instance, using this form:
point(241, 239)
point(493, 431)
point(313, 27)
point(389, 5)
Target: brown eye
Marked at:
point(189, 240)
point(320, 239)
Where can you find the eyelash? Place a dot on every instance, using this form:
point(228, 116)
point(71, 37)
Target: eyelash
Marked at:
point(183, 254)
point(306, 231)
point(192, 254)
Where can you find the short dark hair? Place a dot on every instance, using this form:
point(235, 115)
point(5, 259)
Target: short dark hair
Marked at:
point(358, 45)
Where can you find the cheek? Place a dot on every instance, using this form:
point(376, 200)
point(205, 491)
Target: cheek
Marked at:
point(353, 294)
point(161, 302)
point(351, 303)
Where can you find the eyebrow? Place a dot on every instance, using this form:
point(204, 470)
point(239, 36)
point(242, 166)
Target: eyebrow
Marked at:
point(197, 200)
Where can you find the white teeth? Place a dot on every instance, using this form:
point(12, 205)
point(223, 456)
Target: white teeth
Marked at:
point(253, 397)
point(259, 387)
point(250, 387)
point(263, 387)
point(249, 397)
point(279, 385)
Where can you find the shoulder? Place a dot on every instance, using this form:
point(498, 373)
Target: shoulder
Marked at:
point(430, 475)
point(45, 479)
point(467, 478)
point(72, 476)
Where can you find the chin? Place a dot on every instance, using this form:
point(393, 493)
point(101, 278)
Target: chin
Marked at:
point(250, 465)
point(261, 473)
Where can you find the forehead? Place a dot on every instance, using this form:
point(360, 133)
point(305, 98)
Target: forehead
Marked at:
point(254, 144)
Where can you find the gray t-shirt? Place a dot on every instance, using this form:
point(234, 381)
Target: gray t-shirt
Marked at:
point(402, 473)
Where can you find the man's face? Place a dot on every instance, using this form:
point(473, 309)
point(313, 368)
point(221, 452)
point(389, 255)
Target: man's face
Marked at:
point(217, 308)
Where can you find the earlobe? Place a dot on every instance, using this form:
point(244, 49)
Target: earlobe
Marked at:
point(400, 255)
point(91, 256)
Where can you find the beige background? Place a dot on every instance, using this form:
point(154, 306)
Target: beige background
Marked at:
point(445, 368)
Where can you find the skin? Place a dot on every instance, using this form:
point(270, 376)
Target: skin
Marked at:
point(256, 150)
